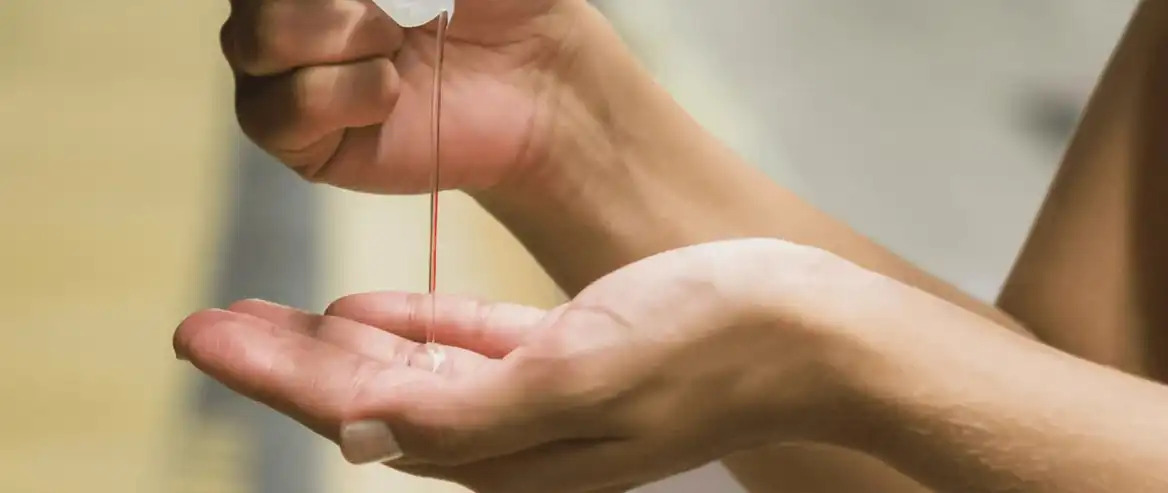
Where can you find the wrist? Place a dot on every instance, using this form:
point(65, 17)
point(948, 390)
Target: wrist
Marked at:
point(622, 159)
point(585, 84)
point(797, 293)
point(852, 344)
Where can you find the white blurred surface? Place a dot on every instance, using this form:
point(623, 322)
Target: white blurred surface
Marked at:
point(913, 120)
point(910, 119)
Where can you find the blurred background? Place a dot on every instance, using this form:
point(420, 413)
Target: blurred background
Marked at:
point(128, 199)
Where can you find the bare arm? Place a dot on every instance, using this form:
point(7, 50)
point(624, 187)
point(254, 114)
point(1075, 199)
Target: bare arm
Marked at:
point(1093, 277)
point(638, 176)
point(646, 178)
point(1092, 281)
point(963, 407)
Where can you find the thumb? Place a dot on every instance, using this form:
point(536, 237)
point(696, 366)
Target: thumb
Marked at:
point(493, 412)
point(491, 329)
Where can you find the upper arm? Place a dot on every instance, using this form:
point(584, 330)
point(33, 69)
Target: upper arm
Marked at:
point(1093, 277)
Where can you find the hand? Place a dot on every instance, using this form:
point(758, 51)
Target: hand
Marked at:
point(340, 93)
point(663, 366)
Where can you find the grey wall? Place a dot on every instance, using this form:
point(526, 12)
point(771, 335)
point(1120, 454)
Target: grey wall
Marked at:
point(932, 125)
point(925, 123)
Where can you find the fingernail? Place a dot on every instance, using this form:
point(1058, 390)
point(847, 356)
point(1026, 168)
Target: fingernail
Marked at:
point(369, 442)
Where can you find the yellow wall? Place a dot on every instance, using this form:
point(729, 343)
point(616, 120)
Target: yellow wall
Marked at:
point(110, 119)
point(114, 128)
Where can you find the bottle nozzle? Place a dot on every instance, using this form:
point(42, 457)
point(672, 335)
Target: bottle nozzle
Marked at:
point(414, 13)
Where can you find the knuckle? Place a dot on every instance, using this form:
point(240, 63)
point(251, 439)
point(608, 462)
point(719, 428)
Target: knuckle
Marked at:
point(270, 44)
point(387, 82)
point(227, 39)
point(312, 96)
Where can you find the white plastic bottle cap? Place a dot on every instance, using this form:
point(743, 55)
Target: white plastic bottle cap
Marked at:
point(414, 13)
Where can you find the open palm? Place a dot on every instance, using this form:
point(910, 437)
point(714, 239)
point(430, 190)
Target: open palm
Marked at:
point(583, 398)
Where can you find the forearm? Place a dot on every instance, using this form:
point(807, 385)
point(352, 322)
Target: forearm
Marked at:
point(635, 175)
point(966, 408)
point(1093, 276)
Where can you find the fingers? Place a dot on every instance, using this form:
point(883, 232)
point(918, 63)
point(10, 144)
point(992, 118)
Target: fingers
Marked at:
point(314, 78)
point(280, 356)
point(490, 412)
point(302, 117)
point(310, 381)
point(359, 338)
point(518, 404)
point(269, 37)
point(345, 334)
point(490, 329)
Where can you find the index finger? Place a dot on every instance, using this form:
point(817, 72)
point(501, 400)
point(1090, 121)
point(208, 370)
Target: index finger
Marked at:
point(320, 117)
point(313, 382)
point(269, 37)
point(491, 329)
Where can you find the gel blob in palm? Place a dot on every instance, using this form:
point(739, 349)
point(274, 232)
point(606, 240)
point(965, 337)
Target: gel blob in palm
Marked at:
point(414, 13)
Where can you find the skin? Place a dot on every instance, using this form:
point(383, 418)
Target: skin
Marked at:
point(550, 123)
point(571, 400)
point(556, 129)
point(582, 156)
point(1093, 277)
point(757, 341)
point(341, 94)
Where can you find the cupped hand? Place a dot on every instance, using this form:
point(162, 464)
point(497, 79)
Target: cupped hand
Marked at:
point(340, 93)
point(663, 366)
